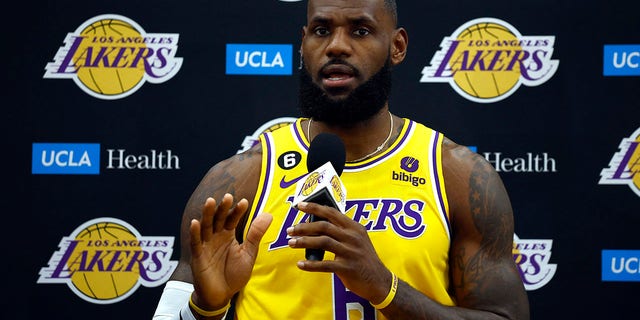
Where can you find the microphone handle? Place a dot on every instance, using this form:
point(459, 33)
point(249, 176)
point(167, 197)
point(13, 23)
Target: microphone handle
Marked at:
point(314, 254)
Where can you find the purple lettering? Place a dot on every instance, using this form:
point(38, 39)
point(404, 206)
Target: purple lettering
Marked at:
point(116, 259)
point(163, 62)
point(61, 267)
point(417, 228)
point(121, 54)
point(624, 164)
point(69, 57)
point(343, 299)
point(103, 55)
point(388, 210)
point(445, 62)
point(360, 212)
point(519, 57)
point(496, 59)
point(478, 60)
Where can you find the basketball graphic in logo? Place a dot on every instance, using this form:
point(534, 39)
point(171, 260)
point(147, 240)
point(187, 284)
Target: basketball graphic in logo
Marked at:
point(110, 57)
point(105, 260)
point(119, 39)
point(480, 80)
point(486, 60)
point(114, 278)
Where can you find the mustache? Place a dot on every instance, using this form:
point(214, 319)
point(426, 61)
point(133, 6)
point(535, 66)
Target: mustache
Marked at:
point(338, 62)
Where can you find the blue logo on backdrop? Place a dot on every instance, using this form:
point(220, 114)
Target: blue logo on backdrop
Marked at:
point(259, 59)
point(65, 158)
point(622, 60)
point(621, 265)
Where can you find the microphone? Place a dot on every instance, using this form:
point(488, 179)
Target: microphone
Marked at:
point(322, 185)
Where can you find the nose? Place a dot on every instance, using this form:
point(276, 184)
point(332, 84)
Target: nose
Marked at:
point(339, 44)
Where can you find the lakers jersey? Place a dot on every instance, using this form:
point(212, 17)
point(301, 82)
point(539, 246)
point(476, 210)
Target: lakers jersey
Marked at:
point(399, 197)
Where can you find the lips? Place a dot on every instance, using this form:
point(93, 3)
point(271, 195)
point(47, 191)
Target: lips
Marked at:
point(337, 76)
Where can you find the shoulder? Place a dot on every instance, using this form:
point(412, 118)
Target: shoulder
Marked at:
point(237, 175)
point(469, 180)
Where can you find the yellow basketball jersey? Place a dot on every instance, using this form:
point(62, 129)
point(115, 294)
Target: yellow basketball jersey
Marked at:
point(398, 196)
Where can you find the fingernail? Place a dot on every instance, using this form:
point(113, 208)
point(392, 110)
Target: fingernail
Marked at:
point(292, 242)
point(289, 230)
point(302, 205)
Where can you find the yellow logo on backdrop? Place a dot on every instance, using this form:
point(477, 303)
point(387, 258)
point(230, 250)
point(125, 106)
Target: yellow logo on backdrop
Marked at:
point(624, 166)
point(486, 60)
point(105, 260)
point(111, 56)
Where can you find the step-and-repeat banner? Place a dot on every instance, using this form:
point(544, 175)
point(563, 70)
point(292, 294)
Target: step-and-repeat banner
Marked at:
point(116, 109)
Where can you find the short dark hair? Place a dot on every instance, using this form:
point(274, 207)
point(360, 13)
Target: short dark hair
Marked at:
point(391, 6)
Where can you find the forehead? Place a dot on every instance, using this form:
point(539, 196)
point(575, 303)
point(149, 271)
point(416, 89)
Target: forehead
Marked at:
point(372, 10)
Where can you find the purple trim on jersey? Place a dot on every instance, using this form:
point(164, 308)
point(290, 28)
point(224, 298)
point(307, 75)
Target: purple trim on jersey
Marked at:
point(265, 186)
point(398, 146)
point(299, 135)
point(437, 178)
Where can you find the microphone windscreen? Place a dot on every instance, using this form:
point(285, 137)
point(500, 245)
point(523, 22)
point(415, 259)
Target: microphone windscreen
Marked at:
point(326, 147)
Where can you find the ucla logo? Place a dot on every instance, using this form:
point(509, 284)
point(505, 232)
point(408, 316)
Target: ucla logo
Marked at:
point(105, 260)
point(486, 60)
point(111, 56)
point(621, 60)
point(621, 265)
point(65, 158)
point(624, 167)
point(259, 59)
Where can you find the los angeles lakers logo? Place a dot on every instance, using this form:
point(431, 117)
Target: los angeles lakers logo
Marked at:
point(486, 60)
point(111, 56)
point(624, 167)
point(336, 188)
point(310, 183)
point(533, 258)
point(105, 260)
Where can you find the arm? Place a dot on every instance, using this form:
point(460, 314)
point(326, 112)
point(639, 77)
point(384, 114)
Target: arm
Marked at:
point(237, 176)
point(484, 279)
point(211, 256)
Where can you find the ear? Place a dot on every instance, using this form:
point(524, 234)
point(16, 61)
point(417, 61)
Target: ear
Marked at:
point(303, 32)
point(399, 45)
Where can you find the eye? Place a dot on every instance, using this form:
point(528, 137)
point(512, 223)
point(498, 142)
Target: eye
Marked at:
point(321, 31)
point(361, 32)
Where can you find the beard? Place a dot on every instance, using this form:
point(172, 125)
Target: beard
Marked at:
point(360, 105)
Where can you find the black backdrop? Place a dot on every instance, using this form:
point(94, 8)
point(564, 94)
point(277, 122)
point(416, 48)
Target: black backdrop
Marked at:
point(577, 119)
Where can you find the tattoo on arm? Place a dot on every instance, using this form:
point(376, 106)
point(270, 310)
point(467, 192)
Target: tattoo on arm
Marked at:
point(492, 219)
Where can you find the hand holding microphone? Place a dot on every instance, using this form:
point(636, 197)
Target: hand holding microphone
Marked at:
point(325, 162)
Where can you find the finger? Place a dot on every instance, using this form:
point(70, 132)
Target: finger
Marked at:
point(317, 228)
point(318, 266)
point(257, 230)
point(238, 212)
point(222, 212)
point(325, 243)
point(196, 241)
point(331, 214)
point(206, 222)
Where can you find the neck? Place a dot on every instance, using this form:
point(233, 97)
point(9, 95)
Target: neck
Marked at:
point(363, 138)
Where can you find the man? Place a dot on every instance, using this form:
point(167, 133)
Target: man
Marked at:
point(428, 230)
